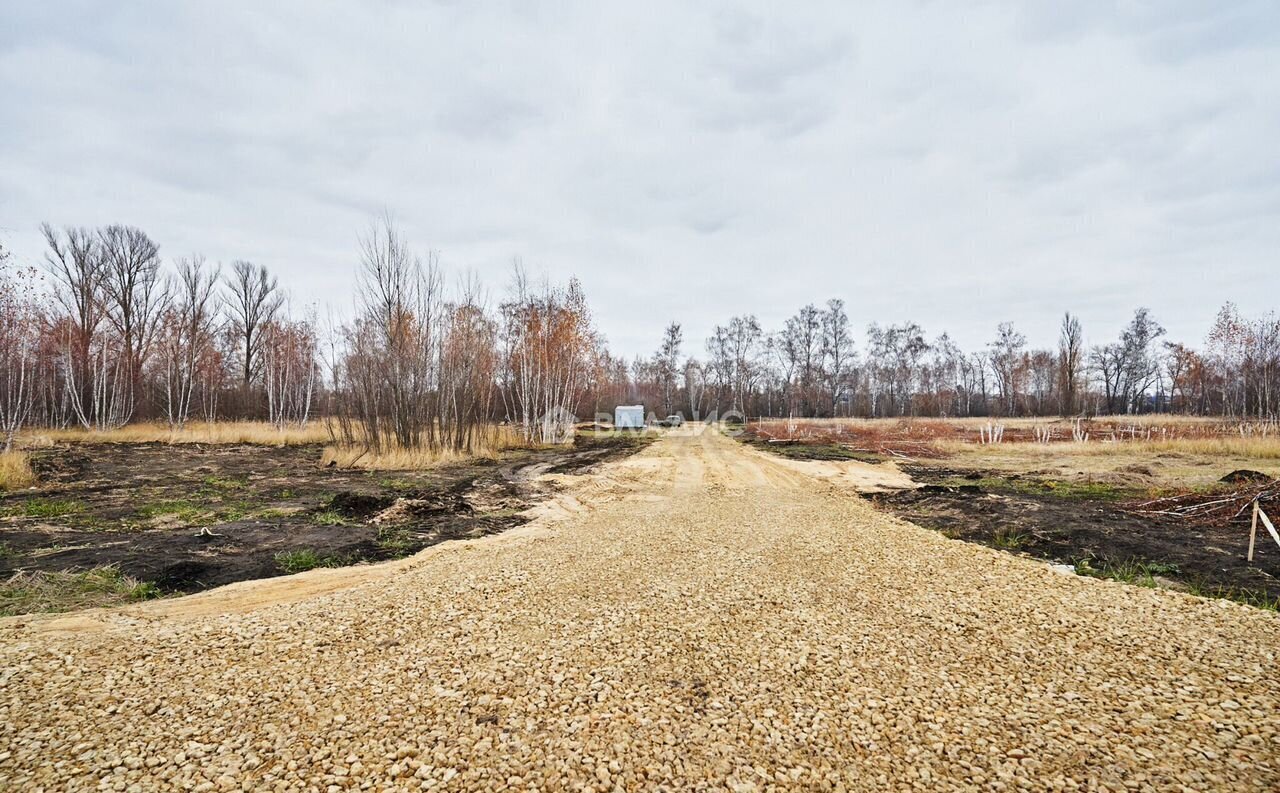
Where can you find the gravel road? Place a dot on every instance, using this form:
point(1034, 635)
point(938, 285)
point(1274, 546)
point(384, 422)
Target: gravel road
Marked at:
point(698, 616)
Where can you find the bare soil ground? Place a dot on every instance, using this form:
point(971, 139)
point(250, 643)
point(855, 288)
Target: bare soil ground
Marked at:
point(190, 517)
point(1090, 527)
point(1066, 502)
point(698, 616)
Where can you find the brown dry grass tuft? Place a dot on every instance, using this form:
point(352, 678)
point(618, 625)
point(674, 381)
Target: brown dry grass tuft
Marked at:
point(40, 591)
point(493, 442)
point(255, 432)
point(15, 471)
point(1107, 435)
point(1254, 448)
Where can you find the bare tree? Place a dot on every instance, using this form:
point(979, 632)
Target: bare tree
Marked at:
point(74, 261)
point(185, 341)
point(735, 351)
point(1007, 353)
point(1040, 380)
point(548, 342)
point(1107, 361)
point(419, 370)
point(289, 370)
point(695, 385)
point(783, 350)
point(893, 366)
point(806, 326)
point(136, 297)
point(468, 368)
point(252, 300)
point(837, 353)
point(945, 374)
point(1070, 363)
point(1131, 367)
point(667, 364)
point(20, 320)
point(393, 346)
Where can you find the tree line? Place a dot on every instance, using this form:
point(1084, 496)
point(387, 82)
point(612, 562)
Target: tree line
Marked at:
point(105, 331)
point(102, 333)
point(812, 367)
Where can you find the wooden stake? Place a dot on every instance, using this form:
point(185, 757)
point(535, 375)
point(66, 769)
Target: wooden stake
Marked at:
point(1262, 515)
point(1253, 529)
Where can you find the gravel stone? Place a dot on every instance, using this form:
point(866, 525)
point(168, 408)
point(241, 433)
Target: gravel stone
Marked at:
point(697, 617)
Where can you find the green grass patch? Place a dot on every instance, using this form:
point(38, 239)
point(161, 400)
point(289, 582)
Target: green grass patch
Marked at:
point(44, 508)
point(1249, 597)
point(184, 510)
point(1140, 573)
point(236, 510)
point(329, 517)
point(303, 559)
point(396, 541)
point(1130, 571)
point(1089, 491)
point(398, 485)
point(1009, 539)
point(40, 591)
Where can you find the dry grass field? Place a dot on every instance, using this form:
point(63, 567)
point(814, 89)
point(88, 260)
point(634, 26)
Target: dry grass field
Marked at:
point(15, 471)
point(255, 432)
point(490, 444)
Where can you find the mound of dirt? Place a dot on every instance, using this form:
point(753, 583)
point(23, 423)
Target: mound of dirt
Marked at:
point(358, 505)
point(1244, 476)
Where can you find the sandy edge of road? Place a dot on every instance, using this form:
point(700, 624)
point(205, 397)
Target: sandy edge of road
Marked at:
point(851, 474)
point(244, 596)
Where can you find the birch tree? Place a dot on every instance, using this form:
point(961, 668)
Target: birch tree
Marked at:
point(20, 320)
point(186, 338)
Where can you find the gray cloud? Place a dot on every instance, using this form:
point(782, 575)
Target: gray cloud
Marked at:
point(957, 164)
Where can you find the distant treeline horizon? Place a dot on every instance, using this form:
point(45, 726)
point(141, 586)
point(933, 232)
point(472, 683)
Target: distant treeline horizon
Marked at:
point(103, 332)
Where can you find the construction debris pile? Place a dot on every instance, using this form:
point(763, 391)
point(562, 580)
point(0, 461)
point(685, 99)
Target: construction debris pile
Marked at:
point(1219, 506)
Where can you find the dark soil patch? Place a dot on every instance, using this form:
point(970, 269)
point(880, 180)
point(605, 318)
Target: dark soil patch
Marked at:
point(592, 448)
point(359, 505)
point(1025, 516)
point(189, 517)
point(1245, 477)
point(816, 450)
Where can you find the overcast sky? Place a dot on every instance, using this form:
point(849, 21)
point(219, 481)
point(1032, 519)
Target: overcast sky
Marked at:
point(957, 164)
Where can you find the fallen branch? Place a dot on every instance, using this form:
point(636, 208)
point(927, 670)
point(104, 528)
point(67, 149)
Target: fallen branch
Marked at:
point(1212, 507)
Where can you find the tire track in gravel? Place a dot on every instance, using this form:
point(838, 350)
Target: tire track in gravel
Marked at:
point(694, 617)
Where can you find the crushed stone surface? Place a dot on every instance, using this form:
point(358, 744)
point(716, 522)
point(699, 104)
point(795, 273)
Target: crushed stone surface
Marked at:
point(697, 617)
